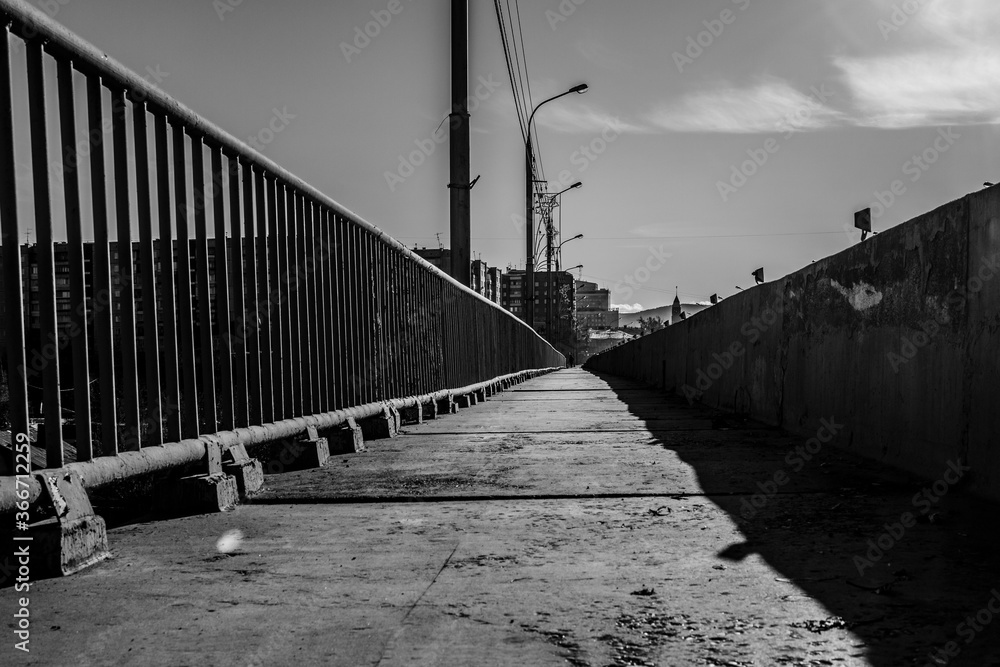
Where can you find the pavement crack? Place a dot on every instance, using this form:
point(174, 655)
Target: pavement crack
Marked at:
point(402, 623)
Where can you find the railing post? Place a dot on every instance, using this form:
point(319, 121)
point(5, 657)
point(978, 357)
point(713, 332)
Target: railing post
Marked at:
point(49, 327)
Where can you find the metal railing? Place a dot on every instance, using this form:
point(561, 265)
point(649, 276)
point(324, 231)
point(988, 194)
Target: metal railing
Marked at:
point(212, 291)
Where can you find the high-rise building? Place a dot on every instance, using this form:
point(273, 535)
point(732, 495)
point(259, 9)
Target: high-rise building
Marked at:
point(484, 279)
point(563, 300)
point(593, 307)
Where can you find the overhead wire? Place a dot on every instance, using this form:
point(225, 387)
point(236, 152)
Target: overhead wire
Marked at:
point(515, 83)
point(526, 83)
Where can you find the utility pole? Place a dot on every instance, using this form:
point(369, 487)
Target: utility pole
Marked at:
point(549, 231)
point(529, 234)
point(461, 191)
point(529, 213)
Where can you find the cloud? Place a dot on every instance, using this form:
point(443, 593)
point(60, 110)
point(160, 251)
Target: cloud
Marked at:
point(583, 118)
point(628, 309)
point(960, 20)
point(771, 106)
point(947, 75)
point(950, 88)
point(940, 67)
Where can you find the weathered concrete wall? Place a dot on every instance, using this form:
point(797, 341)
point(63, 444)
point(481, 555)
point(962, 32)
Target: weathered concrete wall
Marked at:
point(897, 338)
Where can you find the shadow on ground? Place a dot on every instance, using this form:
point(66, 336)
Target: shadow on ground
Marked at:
point(926, 592)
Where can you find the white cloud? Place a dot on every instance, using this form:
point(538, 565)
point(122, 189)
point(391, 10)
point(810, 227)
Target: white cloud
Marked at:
point(583, 118)
point(772, 106)
point(628, 309)
point(940, 67)
point(939, 88)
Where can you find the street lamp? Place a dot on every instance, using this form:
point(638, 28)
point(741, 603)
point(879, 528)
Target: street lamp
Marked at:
point(559, 248)
point(578, 184)
point(529, 273)
point(549, 251)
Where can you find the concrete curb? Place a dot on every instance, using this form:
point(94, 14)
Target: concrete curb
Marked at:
point(106, 470)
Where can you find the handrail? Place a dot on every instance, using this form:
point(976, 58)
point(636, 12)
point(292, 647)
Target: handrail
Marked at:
point(328, 311)
point(89, 59)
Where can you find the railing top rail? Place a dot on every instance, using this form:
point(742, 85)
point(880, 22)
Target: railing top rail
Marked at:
point(29, 22)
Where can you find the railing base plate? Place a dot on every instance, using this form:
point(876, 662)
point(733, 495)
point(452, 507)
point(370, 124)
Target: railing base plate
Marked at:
point(248, 472)
point(414, 415)
point(200, 494)
point(346, 438)
point(66, 547)
point(385, 425)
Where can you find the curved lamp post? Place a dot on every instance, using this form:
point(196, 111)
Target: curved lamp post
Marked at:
point(550, 251)
point(529, 273)
point(559, 248)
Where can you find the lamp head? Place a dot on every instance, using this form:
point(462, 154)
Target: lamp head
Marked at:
point(578, 184)
point(580, 90)
point(578, 236)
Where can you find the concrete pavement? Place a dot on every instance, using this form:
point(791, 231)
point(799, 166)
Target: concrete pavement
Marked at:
point(571, 520)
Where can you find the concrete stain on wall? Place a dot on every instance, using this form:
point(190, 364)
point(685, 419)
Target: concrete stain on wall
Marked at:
point(861, 296)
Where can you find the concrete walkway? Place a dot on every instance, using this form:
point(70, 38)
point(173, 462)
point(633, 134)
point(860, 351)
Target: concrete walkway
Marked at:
point(572, 520)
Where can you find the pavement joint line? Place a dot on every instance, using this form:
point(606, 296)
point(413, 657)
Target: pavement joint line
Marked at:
point(407, 500)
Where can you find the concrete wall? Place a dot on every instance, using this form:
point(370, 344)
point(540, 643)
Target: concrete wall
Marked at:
point(896, 338)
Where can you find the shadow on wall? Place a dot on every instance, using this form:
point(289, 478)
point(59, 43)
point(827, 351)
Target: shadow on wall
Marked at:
point(900, 334)
point(908, 566)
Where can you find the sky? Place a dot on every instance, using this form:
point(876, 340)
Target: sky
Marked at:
point(717, 136)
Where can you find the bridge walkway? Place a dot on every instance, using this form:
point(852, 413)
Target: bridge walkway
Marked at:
point(573, 519)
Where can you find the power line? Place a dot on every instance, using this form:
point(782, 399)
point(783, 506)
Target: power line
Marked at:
point(526, 85)
point(514, 81)
point(648, 238)
point(524, 56)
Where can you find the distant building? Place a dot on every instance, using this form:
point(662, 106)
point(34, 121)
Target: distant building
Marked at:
point(484, 279)
point(512, 292)
point(563, 302)
point(439, 257)
point(676, 313)
point(593, 307)
point(596, 341)
point(30, 281)
point(493, 281)
point(478, 280)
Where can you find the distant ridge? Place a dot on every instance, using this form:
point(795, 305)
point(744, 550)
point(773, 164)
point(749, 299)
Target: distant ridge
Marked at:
point(663, 312)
